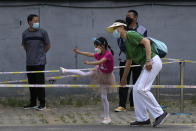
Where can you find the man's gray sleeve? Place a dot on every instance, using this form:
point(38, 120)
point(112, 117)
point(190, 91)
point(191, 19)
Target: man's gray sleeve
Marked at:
point(46, 38)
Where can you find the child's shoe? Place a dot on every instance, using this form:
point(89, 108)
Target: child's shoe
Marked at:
point(62, 70)
point(106, 121)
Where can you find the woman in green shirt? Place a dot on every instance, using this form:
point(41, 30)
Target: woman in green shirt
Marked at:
point(140, 51)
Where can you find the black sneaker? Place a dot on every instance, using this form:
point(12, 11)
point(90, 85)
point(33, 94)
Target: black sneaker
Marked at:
point(41, 108)
point(30, 106)
point(141, 123)
point(161, 119)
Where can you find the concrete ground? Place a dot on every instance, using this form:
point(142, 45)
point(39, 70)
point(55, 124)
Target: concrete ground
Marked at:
point(77, 113)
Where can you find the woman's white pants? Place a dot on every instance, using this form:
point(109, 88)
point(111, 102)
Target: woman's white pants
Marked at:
point(143, 99)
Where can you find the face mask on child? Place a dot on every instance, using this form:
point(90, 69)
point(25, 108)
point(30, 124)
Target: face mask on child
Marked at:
point(116, 34)
point(97, 50)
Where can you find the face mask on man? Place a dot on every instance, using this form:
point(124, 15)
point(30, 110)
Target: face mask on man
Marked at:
point(36, 25)
point(116, 34)
point(97, 50)
point(129, 20)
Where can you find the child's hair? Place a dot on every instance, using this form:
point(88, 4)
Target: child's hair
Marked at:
point(103, 41)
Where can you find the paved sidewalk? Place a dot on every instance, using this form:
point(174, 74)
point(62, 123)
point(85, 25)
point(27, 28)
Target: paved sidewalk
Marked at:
point(83, 115)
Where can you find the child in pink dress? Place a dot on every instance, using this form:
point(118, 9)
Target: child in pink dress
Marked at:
point(103, 74)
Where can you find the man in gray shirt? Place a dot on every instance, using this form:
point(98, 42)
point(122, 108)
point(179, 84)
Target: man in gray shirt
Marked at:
point(36, 43)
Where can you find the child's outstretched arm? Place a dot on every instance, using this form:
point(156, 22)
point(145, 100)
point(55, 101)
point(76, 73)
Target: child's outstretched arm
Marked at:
point(83, 53)
point(95, 62)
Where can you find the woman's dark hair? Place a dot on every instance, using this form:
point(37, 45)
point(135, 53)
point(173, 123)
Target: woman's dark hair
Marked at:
point(103, 42)
point(30, 17)
point(122, 21)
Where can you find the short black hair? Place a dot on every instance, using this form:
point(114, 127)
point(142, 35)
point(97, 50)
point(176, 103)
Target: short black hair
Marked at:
point(30, 17)
point(134, 12)
point(122, 21)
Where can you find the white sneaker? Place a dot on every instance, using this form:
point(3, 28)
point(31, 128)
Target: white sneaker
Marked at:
point(106, 121)
point(62, 70)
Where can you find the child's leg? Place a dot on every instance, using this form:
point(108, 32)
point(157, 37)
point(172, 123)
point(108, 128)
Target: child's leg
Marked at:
point(75, 71)
point(105, 104)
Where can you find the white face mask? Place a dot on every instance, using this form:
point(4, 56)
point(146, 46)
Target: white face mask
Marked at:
point(97, 50)
point(116, 34)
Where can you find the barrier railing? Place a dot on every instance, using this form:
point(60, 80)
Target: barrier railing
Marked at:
point(158, 86)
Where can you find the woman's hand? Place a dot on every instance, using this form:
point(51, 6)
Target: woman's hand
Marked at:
point(148, 66)
point(123, 82)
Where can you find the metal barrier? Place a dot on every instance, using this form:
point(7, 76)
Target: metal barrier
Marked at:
point(182, 90)
point(157, 86)
point(157, 93)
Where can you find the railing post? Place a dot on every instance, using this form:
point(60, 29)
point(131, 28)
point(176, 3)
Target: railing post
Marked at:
point(182, 89)
point(182, 65)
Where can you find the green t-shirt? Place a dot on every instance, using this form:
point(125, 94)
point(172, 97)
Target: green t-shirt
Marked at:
point(134, 50)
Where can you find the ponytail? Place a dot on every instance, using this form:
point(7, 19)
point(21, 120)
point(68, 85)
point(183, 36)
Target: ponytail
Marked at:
point(111, 49)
